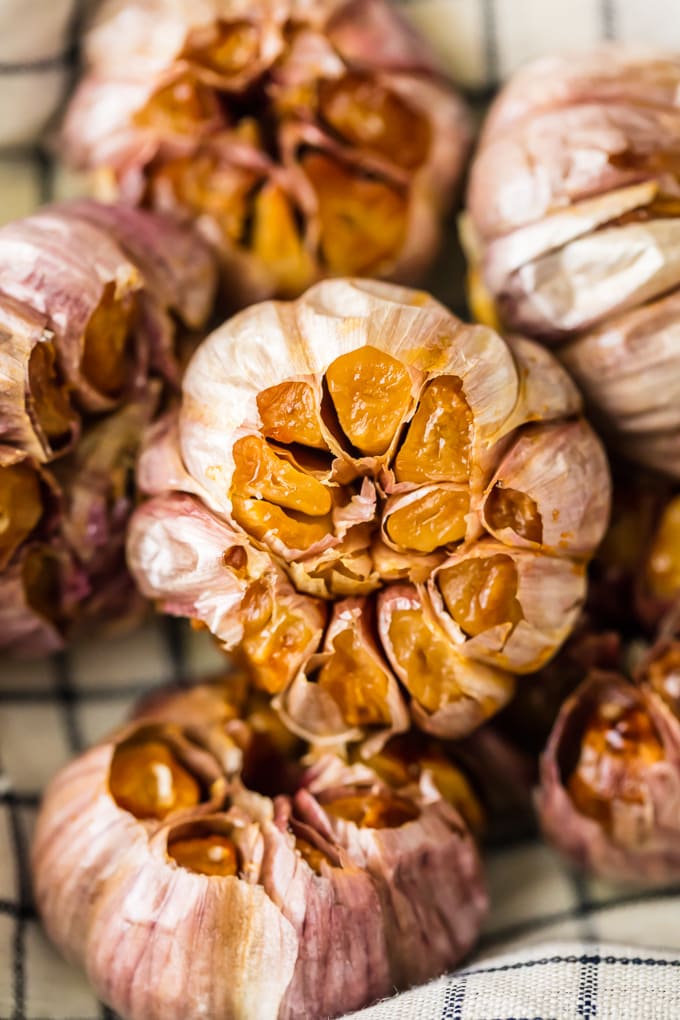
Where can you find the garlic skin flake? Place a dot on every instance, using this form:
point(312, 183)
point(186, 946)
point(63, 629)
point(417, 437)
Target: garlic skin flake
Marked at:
point(572, 232)
point(356, 484)
point(302, 140)
point(193, 867)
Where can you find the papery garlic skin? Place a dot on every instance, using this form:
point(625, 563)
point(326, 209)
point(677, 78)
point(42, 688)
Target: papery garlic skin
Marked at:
point(95, 304)
point(609, 794)
point(575, 240)
point(233, 904)
point(361, 454)
point(302, 140)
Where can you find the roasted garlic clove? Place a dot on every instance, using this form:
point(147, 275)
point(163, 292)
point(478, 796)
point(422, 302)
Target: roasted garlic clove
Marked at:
point(451, 694)
point(506, 606)
point(530, 503)
point(610, 781)
point(348, 688)
point(180, 885)
point(298, 144)
point(365, 453)
point(95, 304)
point(657, 585)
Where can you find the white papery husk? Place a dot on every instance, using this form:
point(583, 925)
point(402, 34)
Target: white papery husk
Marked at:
point(539, 463)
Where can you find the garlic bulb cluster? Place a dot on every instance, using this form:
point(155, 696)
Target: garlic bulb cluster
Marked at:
point(303, 138)
point(385, 512)
point(193, 868)
point(573, 231)
point(94, 302)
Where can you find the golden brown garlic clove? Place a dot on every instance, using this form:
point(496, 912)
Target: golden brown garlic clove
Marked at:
point(370, 448)
point(244, 905)
point(295, 157)
point(610, 781)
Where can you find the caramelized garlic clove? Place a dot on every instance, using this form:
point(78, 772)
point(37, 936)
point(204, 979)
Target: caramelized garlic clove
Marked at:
point(21, 504)
point(608, 777)
point(547, 492)
point(348, 687)
point(510, 608)
point(450, 695)
point(427, 519)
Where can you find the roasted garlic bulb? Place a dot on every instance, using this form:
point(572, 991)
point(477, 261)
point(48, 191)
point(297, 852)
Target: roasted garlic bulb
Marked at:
point(573, 232)
point(188, 878)
point(302, 139)
point(385, 512)
point(610, 776)
point(94, 303)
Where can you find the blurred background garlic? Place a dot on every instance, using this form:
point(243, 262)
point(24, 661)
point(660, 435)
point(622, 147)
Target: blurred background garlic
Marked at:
point(386, 513)
point(609, 797)
point(302, 139)
point(572, 231)
point(95, 305)
point(194, 867)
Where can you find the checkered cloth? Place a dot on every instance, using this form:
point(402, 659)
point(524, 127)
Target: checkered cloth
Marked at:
point(557, 946)
point(545, 951)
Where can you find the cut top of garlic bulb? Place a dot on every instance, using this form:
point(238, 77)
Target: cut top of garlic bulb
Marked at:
point(301, 139)
point(195, 866)
point(364, 440)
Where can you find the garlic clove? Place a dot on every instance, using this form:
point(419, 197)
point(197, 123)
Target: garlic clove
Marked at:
point(607, 146)
point(610, 782)
point(94, 331)
point(21, 501)
point(429, 518)
point(379, 849)
point(34, 601)
point(546, 391)
point(506, 254)
point(35, 406)
point(202, 568)
point(621, 365)
point(544, 295)
point(451, 695)
point(507, 607)
point(546, 492)
point(348, 688)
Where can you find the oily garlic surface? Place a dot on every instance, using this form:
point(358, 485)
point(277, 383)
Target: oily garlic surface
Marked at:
point(385, 512)
point(302, 140)
point(191, 865)
point(610, 775)
point(99, 306)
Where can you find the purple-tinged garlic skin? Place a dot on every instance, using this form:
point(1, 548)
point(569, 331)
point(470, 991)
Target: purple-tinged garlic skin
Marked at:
point(96, 303)
point(257, 121)
point(360, 454)
point(341, 892)
point(612, 807)
point(573, 232)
